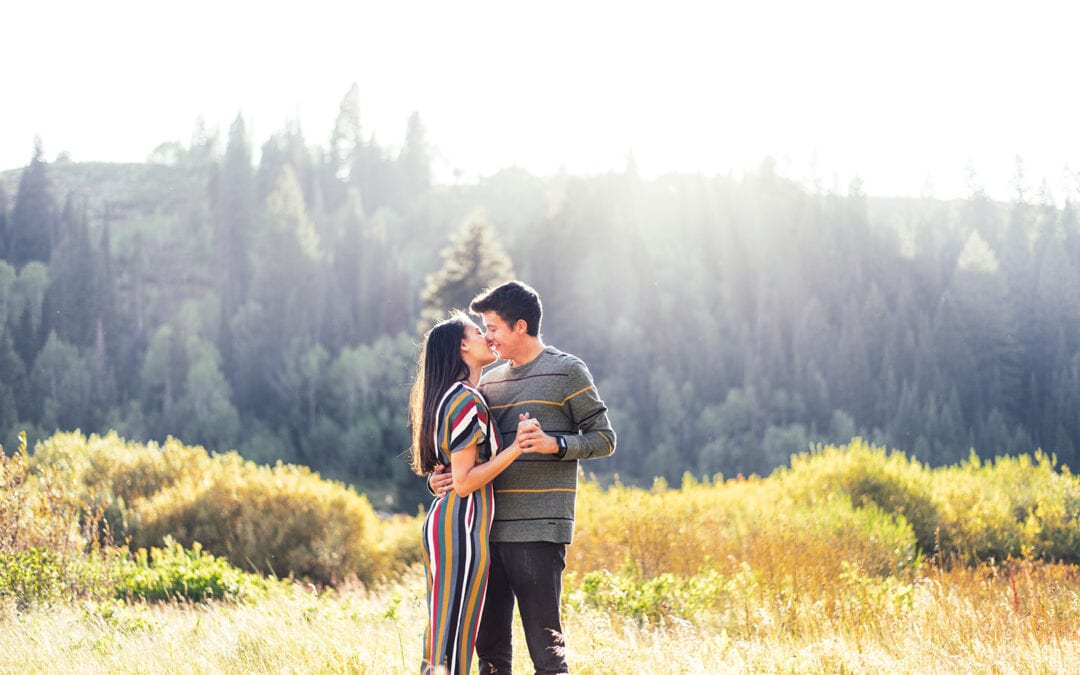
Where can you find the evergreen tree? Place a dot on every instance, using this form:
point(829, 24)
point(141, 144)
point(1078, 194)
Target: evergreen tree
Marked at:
point(345, 142)
point(372, 173)
point(27, 310)
point(234, 217)
point(30, 233)
point(107, 335)
point(3, 222)
point(61, 385)
point(414, 162)
point(72, 300)
point(474, 260)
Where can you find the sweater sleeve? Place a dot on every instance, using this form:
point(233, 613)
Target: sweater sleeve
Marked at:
point(595, 437)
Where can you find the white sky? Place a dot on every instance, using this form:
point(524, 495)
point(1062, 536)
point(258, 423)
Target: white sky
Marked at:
point(909, 95)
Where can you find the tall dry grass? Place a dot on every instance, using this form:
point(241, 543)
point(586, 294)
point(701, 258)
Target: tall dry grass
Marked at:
point(992, 620)
point(854, 559)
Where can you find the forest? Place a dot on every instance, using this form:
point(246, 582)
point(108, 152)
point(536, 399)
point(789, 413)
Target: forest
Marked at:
point(272, 302)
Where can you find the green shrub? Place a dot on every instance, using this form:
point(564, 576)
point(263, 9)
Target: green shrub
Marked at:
point(111, 475)
point(32, 577)
point(654, 600)
point(791, 544)
point(1008, 508)
point(44, 556)
point(867, 475)
point(283, 520)
point(173, 573)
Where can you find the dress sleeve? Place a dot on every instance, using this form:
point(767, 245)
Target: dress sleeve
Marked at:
point(464, 423)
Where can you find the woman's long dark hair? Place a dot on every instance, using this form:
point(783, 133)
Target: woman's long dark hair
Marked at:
point(440, 366)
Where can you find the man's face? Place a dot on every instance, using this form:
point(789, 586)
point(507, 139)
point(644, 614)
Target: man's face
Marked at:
point(506, 341)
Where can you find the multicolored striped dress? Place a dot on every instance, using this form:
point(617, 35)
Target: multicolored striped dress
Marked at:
point(456, 537)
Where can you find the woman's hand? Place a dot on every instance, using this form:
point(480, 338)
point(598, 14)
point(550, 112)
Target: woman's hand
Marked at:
point(441, 480)
point(531, 438)
point(526, 427)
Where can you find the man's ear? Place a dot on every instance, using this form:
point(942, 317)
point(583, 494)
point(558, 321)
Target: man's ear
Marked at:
point(521, 326)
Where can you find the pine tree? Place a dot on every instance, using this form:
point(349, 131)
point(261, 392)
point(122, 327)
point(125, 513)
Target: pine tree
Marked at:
point(414, 162)
point(473, 261)
point(31, 227)
point(234, 217)
point(3, 222)
point(71, 303)
point(345, 141)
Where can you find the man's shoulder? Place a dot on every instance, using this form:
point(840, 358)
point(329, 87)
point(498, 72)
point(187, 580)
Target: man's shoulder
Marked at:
point(563, 361)
point(496, 373)
point(550, 362)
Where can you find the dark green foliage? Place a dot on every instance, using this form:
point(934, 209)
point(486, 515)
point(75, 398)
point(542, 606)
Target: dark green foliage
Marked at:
point(173, 573)
point(30, 233)
point(475, 260)
point(32, 577)
point(282, 520)
point(3, 222)
point(729, 321)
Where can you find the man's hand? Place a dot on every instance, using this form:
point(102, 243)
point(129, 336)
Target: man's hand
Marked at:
point(441, 480)
point(533, 439)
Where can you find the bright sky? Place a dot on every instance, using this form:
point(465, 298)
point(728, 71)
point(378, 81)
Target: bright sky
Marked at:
point(910, 96)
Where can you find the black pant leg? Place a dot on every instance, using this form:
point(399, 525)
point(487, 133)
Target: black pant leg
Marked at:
point(494, 637)
point(535, 570)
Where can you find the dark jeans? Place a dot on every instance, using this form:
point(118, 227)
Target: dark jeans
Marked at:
point(531, 572)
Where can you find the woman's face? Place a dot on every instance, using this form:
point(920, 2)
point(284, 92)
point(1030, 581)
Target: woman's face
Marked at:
point(474, 348)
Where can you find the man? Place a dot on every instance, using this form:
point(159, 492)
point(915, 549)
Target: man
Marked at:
point(534, 496)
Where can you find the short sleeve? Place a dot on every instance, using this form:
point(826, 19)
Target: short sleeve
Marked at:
point(464, 421)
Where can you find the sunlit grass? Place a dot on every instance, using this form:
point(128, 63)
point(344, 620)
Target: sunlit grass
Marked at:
point(993, 619)
point(822, 568)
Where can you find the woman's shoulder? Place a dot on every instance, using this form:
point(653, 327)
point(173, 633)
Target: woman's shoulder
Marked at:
point(462, 395)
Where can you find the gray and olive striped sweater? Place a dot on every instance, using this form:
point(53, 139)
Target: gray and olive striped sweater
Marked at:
point(535, 495)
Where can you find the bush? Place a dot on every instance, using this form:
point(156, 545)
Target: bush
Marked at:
point(746, 521)
point(32, 577)
point(111, 475)
point(172, 573)
point(283, 520)
point(44, 555)
point(656, 600)
point(867, 475)
point(1009, 508)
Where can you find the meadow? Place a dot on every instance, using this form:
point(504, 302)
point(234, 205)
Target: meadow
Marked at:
point(849, 559)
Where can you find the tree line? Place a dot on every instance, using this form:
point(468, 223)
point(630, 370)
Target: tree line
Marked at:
point(275, 306)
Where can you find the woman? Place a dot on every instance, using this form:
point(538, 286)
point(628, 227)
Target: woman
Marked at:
point(451, 426)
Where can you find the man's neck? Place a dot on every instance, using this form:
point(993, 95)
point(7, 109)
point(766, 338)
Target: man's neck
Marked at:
point(531, 351)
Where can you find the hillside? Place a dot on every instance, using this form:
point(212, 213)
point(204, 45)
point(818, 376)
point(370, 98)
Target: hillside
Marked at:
point(728, 321)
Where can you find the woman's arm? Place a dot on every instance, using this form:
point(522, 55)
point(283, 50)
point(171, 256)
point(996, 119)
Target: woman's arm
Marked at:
point(468, 476)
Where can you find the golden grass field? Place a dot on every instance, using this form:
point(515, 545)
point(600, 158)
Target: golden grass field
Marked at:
point(850, 560)
point(962, 622)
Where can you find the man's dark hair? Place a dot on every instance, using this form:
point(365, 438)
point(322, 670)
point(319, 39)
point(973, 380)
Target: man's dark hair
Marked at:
point(512, 301)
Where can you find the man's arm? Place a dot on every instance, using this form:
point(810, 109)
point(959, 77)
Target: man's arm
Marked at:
point(595, 437)
point(591, 437)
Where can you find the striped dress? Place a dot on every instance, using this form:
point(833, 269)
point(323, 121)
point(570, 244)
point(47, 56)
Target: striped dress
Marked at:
point(456, 538)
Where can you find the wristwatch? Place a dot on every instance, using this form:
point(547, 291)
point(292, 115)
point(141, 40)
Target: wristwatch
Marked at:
point(561, 441)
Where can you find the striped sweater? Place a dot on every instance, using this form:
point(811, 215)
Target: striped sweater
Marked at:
point(535, 495)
